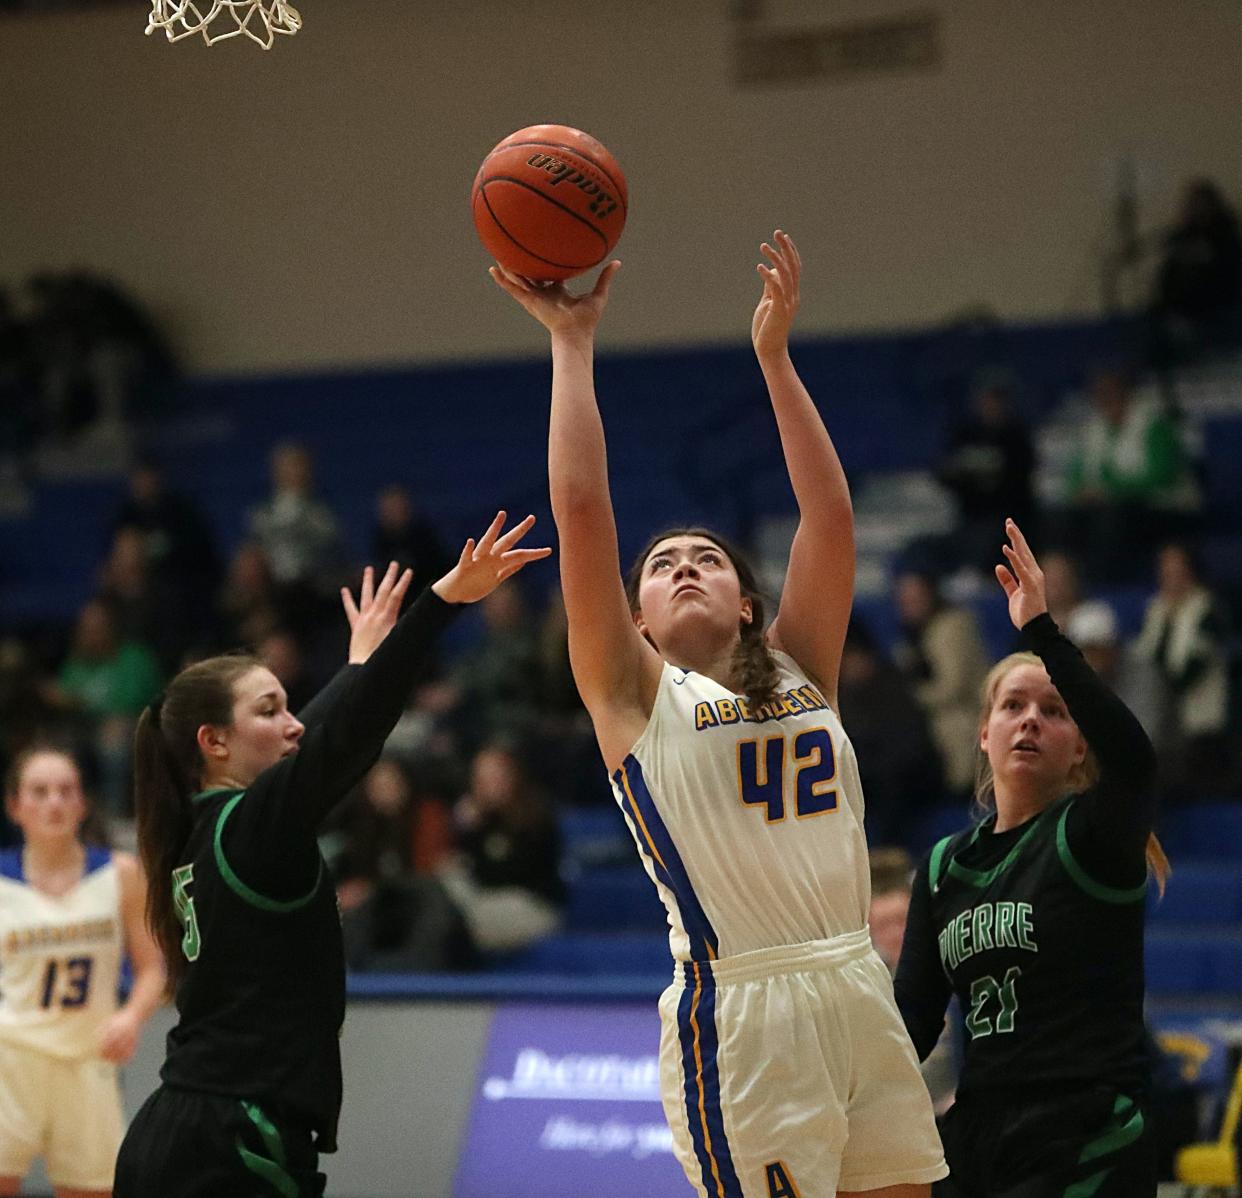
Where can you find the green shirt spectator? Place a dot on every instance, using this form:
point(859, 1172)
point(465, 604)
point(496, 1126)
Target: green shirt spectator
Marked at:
point(1131, 452)
point(104, 676)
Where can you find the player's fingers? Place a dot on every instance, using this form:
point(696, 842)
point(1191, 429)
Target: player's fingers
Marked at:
point(1007, 580)
point(522, 556)
point(503, 282)
point(604, 282)
point(366, 593)
point(773, 288)
point(1022, 571)
point(791, 250)
point(515, 559)
point(1020, 543)
point(515, 534)
point(401, 586)
point(504, 275)
point(488, 539)
point(467, 553)
point(351, 608)
point(386, 583)
point(776, 257)
point(499, 279)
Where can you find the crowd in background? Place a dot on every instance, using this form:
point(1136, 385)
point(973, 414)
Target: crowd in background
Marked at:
point(77, 353)
point(450, 847)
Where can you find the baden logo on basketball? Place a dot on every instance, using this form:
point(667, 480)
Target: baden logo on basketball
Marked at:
point(602, 202)
point(549, 202)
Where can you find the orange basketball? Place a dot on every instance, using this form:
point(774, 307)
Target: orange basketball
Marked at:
point(549, 202)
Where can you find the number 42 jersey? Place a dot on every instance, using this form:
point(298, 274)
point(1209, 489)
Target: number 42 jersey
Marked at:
point(60, 957)
point(750, 823)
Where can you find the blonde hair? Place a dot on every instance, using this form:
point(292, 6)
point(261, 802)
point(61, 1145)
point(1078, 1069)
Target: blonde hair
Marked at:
point(1082, 777)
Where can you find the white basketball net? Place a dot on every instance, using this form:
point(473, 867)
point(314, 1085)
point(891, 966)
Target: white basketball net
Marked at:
point(216, 20)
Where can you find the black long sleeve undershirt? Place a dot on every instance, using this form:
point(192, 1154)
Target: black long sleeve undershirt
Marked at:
point(1107, 828)
point(270, 837)
point(921, 986)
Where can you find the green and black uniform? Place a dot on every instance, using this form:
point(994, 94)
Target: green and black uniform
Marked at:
point(1038, 930)
point(252, 1080)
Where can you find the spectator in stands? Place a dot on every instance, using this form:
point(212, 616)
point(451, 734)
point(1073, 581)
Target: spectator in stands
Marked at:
point(100, 360)
point(1185, 636)
point(1092, 627)
point(249, 605)
point(1063, 581)
point(296, 529)
point(941, 654)
point(26, 712)
point(892, 873)
point(506, 877)
point(495, 683)
point(1197, 304)
point(281, 653)
point(180, 545)
point(898, 761)
point(402, 535)
point(988, 467)
point(106, 681)
point(569, 759)
point(384, 844)
point(18, 420)
point(1130, 485)
point(147, 608)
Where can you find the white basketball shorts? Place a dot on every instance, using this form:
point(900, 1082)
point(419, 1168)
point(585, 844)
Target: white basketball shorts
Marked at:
point(787, 1073)
point(66, 1111)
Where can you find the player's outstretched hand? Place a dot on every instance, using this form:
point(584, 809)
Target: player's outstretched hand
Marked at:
point(119, 1037)
point(482, 567)
point(1023, 580)
point(552, 304)
point(769, 330)
point(372, 617)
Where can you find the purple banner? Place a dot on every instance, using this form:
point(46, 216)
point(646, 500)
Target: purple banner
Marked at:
point(567, 1103)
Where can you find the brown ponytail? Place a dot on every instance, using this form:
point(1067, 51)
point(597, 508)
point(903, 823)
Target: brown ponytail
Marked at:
point(753, 668)
point(168, 771)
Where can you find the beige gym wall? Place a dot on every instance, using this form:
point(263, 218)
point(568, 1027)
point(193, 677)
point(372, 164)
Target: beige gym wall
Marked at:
point(307, 208)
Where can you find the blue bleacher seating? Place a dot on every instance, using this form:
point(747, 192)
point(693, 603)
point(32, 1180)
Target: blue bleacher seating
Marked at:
point(1176, 963)
point(1199, 895)
point(593, 837)
point(1189, 961)
point(1203, 831)
point(587, 954)
point(937, 822)
point(617, 899)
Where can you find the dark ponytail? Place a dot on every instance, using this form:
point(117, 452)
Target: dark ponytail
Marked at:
point(753, 669)
point(168, 771)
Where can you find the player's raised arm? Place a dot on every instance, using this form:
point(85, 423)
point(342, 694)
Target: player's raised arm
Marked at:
point(819, 586)
point(617, 672)
point(388, 652)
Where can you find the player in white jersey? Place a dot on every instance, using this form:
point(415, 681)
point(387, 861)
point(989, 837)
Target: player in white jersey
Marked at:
point(67, 913)
point(785, 1069)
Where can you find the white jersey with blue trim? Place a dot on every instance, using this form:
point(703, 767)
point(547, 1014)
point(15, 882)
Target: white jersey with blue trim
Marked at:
point(60, 957)
point(750, 823)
